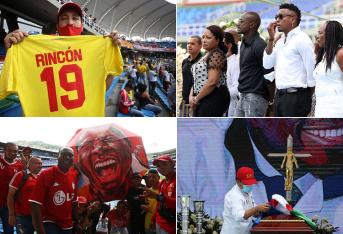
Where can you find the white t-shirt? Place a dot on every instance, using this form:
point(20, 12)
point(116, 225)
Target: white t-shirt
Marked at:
point(152, 76)
point(236, 203)
point(166, 76)
point(133, 72)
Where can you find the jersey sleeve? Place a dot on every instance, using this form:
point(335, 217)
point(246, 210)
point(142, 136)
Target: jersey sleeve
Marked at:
point(38, 194)
point(217, 61)
point(17, 178)
point(110, 215)
point(113, 60)
point(8, 82)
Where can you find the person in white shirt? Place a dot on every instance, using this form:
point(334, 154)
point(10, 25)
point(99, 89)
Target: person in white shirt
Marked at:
point(152, 75)
point(293, 62)
point(235, 35)
point(232, 72)
point(239, 205)
point(166, 78)
point(328, 72)
point(133, 74)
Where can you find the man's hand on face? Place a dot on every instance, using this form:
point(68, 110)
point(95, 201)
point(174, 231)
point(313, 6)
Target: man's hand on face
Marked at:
point(14, 37)
point(271, 30)
point(115, 38)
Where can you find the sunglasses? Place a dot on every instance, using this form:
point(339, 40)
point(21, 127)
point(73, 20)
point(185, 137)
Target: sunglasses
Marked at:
point(281, 16)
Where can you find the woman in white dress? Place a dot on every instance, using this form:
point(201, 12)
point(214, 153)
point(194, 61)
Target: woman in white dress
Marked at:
point(232, 72)
point(328, 72)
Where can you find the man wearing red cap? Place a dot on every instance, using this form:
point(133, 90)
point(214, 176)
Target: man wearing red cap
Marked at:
point(239, 205)
point(166, 206)
point(69, 23)
point(70, 81)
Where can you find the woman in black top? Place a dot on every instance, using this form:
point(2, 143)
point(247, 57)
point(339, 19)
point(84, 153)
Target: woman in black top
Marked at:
point(209, 96)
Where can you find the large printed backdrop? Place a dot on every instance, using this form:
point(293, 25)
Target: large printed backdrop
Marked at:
point(106, 156)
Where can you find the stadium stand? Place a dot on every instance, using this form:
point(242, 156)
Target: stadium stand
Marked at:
point(192, 20)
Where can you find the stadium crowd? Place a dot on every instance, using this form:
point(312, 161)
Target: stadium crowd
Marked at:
point(242, 75)
point(47, 201)
point(145, 74)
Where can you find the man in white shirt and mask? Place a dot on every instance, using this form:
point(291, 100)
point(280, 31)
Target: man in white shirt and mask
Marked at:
point(239, 205)
point(293, 60)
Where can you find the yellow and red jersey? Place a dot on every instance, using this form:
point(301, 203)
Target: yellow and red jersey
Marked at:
point(60, 75)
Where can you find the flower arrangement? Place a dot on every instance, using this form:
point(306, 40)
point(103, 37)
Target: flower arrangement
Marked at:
point(209, 225)
point(323, 226)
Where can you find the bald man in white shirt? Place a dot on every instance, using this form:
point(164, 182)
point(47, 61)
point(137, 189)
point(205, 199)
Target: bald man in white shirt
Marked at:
point(293, 60)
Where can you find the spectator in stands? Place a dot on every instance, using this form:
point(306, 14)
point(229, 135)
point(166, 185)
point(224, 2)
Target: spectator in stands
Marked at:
point(25, 155)
point(19, 193)
point(69, 23)
point(97, 210)
point(126, 105)
point(251, 83)
point(133, 74)
point(172, 97)
point(141, 72)
point(166, 198)
point(145, 101)
point(193, 49)
point(119, 219)
point(9, 165)
point(136, 201)
point(84, 224)
point(55, 196)
point(328, 72)
point(152, 80)
point(232, 72)
point(293, 60)
point(165, 78)
point(154, 181)
point(209, 96)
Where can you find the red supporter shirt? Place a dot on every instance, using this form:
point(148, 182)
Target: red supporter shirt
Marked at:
point(168, 190)
point(55, 191)
point(118, 220)
point(22, 204)
point(124, 102)
point(7, 171)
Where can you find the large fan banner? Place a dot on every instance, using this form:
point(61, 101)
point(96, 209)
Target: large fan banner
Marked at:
point(105, 158)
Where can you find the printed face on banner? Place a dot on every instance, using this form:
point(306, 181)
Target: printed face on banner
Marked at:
point(105, 159)
point(320, 137)
point(106, 156)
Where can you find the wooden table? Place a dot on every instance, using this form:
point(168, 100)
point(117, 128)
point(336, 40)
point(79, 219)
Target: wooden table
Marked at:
point(282, 224)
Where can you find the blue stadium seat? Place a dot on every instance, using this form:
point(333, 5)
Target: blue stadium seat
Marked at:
point(119, 114)
point(148, 113)
point(162, 96)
